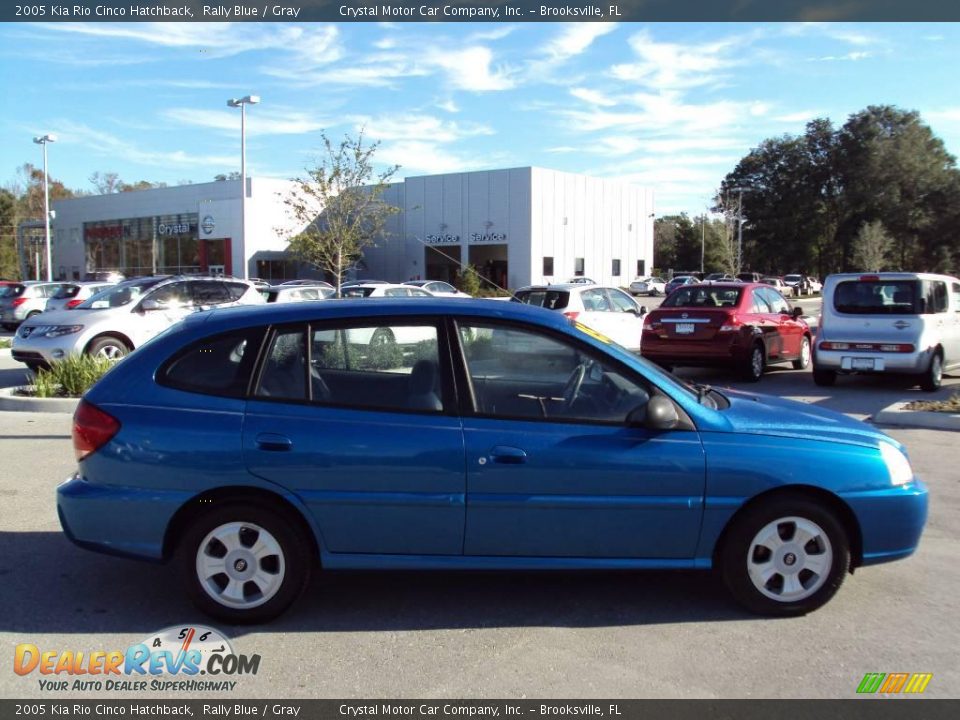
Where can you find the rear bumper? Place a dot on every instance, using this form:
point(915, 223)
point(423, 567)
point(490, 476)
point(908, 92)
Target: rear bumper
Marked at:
point(845, 361)
point(117, 520)
point(694, 352)
point(891, 520)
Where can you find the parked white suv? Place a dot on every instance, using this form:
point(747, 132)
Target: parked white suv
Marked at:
point(609, 311)
point(21, 301)
point(113, 323)
point(888, 322)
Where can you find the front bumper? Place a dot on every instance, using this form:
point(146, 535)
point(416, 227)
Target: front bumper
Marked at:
point(44, 350)
point(891, 520)
point(117, 520)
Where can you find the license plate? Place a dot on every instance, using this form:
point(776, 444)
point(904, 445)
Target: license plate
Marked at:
point(862, 363)
point(684, 328)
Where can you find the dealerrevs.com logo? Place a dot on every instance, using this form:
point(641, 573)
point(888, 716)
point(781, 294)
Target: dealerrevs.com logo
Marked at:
point(184, 658)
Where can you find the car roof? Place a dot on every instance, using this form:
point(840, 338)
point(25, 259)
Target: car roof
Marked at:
point(892, 276)
point(219, 319)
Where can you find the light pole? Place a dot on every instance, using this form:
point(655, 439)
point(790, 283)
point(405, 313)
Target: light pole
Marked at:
point(703, 237)
point(43, 140)
point(739, 227)
point(242, 104)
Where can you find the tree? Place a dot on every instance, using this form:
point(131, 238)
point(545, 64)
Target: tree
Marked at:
point(105, 183)
point(468, 281)
point(341, 206)
point(9, 267)
point(871, 247)
point(809, 196)
point(222, 177)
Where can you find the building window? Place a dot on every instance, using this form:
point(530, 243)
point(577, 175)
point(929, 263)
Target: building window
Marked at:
point(548, 266)
point(641, 268)
point(616, 268)
point(578, 267)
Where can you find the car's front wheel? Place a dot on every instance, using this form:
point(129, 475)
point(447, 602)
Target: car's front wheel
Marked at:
point(243, 563)
point(785, 556)
point(108, 347)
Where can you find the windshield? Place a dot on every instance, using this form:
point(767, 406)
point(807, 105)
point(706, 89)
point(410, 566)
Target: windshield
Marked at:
point(118, 296)
point(876, 297)
point(356, 292)
point(710, 296)
point(792, 278)
point(549, 299)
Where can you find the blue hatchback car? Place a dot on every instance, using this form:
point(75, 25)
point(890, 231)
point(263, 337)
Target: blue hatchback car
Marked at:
point(253, 445)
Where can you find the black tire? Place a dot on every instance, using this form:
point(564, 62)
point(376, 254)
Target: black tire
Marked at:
point(828, 551)
point(755, 363)
point(803, 362)
point(292, 563)
point(9, 326)
point(931, 379)
point(824, 378)
point(35, 367)
point(108, 347)
point(32, 313)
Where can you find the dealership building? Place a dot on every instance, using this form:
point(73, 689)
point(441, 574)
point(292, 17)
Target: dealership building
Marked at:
point(516, 226)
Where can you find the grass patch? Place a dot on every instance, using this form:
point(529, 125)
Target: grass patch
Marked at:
point(70, 377)
point(5, 343)
point(950, 405)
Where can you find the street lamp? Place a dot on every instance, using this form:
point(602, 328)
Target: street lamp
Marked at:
point(242, 104)
point(739, 226)
point(43, 140)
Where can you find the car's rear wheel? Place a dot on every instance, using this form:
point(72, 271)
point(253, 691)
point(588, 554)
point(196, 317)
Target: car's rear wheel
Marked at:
point(108, 347)
point(756, 361)
point(933, 377)
point(786, 556)
point(824, 378)
point(803, 362)
point(243, 563)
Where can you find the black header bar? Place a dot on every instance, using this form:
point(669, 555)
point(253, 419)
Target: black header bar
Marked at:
point(482, 11)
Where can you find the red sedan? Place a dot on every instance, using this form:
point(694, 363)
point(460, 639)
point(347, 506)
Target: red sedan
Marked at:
point(743, 325)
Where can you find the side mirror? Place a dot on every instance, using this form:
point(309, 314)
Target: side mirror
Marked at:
point(150, 304)
point(658, 413)
point(797, 313)
point(643, 310)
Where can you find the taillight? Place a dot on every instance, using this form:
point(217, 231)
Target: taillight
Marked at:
point(731, 324)
point(72, 304)
point(18, 302)
point(869, 278)
point(649, 324)
point(571, 315)
point(92, 429)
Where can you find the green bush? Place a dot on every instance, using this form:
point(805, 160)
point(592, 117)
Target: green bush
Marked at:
point(70, 377)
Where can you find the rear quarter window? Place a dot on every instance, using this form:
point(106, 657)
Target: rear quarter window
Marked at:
point(220, 365)
point(549, 299)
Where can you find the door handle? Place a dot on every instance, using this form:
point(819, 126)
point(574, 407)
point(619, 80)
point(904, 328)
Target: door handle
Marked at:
point(508, 455)
point(274, 442)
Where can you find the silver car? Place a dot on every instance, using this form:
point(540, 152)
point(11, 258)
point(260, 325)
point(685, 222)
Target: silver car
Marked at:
point(116, 321)
point(24, 300)
point(296, 293)
point(907, 323)
point(69, 296)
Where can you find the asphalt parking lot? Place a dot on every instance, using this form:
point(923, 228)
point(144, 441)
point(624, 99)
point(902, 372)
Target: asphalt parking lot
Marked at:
point(459, 635)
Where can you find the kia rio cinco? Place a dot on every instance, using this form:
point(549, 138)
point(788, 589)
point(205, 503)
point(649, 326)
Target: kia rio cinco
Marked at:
point(254, 445)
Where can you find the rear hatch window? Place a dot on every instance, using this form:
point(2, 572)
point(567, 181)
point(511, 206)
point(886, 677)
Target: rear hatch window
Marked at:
point(67, 291)
point(878, 297)
point(549, 299)
point(703, 296)
point(12, 291)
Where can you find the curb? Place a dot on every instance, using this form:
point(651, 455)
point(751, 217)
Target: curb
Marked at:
point(16, 403)
point(897, 416)
point(5, 352)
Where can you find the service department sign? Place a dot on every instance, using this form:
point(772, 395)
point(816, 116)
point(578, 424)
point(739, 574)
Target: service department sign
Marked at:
point(207, 224)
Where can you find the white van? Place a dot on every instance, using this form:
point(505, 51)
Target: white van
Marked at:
point(888, 322)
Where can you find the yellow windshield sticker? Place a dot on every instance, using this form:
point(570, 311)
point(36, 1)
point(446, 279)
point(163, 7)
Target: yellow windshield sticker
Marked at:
point(592, 333)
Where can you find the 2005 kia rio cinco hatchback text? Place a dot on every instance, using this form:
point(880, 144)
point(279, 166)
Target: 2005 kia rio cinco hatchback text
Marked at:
point(247, 444)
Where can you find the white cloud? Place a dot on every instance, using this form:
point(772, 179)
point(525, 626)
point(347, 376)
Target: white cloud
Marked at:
point(575, 39)
point(851, 57)
point(422, 157)
point(108, 145)
point(471, 69)
point(259, 122)
point(421, 128)
point(673, 66)
point(802, 116)
point(593, 97)
point(449, 106)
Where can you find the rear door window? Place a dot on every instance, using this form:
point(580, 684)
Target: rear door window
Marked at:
point(210, 292)
point(759, 304)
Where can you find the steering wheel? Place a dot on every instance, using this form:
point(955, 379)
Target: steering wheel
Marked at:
point(572, 389)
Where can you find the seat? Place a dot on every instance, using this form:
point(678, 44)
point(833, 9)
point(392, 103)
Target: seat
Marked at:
point(421, 390)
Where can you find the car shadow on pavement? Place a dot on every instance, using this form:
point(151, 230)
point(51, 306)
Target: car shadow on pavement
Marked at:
point(51, 586)
point(14, 377)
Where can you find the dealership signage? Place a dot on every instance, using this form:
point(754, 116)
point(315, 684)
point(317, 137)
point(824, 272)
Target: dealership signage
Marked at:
point(443, 239)
point(488, 237)
point(174, 228)
point(207, 224)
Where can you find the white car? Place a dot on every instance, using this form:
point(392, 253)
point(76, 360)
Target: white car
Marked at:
point(296, 293)
point(648, 286)
point(114, 322)
point(69, 296)
point(375, 290)
point(580, 280)
point(438, 288)
point(609, 311)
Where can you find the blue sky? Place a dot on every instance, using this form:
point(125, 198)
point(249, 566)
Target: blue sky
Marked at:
point(667, 106)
